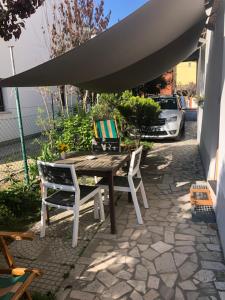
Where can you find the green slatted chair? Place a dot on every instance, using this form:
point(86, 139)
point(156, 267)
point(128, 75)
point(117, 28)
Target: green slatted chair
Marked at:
point(14, 281)
point(106, 132)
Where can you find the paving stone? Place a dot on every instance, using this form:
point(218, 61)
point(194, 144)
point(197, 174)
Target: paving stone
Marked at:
point(194, 258)
point(106, 278)
point(165, 263)
point(222, 295)
point(192, 295)
point(143, 247)
point(184, 243)
point(141, 273)
point(212, 265)
point(118, 290)
point(169, 279)
point(151, 295)
point(215, 256)
point(185, 249)
point(156, 229)
point(139, 286)
point(124, 275)
point(150, 254)
point(115, 268)
point(81, 295)
point(205, 276)
point(134, 252)
point(131, 261)
point(187, 285)
point(153, 282)
point(94, 287)
point(179, 258)
point(161, 247)
point(167, 293)
point(169, 237)
point(128, 232)
point(136, 296)
point(187, 270)
point(220, 285)
point(178, 294)
point(124, 245)
point(184, 237)
point(213, 247)
point(149, 266)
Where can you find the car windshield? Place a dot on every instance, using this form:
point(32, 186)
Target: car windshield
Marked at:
point(167, 103)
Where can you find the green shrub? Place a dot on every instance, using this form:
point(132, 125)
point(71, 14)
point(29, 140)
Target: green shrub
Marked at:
point(19, 204)
point(75, 131)
point(147, 145)
point(138, 111)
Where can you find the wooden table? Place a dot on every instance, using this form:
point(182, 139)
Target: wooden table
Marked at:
point(103, 165)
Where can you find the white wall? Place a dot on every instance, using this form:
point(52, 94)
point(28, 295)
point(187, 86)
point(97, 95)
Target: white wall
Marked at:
point(220, 205)
point(210, 124)
point(30, 50)
point(213, 126)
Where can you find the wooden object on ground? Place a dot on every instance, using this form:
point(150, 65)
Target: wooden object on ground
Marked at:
point(15, 285)
point(200, 195)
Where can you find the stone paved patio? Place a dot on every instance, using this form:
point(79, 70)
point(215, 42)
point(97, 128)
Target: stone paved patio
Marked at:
point(169, 257)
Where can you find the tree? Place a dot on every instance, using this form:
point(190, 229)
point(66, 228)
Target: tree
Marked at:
point(12, 15)
point(75, 22)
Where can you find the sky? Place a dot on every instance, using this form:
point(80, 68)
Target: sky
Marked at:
point(121, 8)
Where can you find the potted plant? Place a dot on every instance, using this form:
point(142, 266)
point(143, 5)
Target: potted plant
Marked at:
point(63, 148)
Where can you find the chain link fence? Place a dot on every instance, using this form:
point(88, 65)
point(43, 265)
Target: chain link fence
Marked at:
point(11, 161)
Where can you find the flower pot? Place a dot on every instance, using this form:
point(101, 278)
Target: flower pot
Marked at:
point(63, 155)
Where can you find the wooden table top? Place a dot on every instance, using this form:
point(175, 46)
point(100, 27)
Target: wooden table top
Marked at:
point(100, 162)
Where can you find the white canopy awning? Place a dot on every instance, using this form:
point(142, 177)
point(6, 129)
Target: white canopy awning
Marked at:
point(141, 47)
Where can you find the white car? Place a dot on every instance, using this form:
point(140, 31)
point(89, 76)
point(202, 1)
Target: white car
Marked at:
point(171, 122)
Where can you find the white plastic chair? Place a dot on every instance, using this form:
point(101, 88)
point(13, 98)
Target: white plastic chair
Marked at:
point(130, 183)
point(69, 195)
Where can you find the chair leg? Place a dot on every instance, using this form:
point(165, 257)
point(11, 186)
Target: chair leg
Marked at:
point(28, 295)
point(75, 225)
point(143, 194)
point(43, 219)
point(136, 205)
point(101, 206)
point(96, 207)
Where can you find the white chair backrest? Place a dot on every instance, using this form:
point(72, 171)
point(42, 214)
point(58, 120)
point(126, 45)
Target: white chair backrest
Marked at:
point(58, 176)
point(135, 161)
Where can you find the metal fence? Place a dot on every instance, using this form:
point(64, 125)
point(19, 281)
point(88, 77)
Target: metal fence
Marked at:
point(11, 160)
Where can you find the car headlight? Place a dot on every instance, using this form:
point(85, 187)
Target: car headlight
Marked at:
point(172, 119)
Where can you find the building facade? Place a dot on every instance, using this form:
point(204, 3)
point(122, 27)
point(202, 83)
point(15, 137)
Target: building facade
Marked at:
point(211, 129)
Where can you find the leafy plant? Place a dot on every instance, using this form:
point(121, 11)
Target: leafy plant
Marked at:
point(19, 203)
point(74, 131)
point(146, 145)
point(138, 112)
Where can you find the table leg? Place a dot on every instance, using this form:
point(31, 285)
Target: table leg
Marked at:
point(111, 204)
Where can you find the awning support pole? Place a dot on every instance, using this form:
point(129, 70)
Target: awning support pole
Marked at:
point(20, 122)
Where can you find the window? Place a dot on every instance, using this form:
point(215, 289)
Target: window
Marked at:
point(1, 101)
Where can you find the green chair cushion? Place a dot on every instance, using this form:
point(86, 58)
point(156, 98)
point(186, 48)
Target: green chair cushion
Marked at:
point(10, 281)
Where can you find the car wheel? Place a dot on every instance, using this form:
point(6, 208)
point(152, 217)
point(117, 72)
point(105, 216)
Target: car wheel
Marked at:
point(181, 133)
